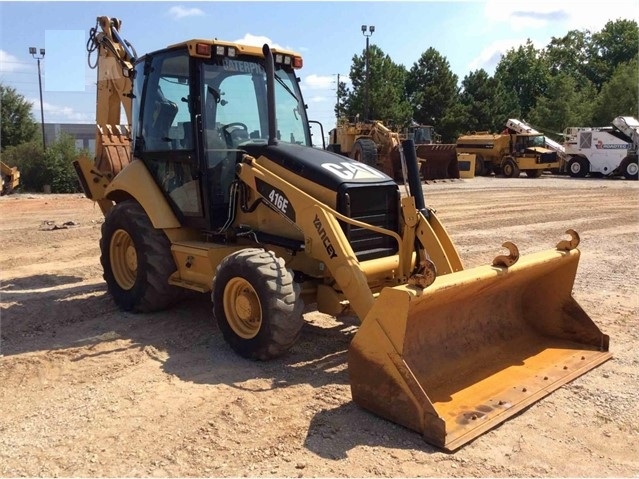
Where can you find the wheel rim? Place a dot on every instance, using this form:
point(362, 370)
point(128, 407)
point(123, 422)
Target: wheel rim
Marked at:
point(508, 169)
point(575, 167)
point(242, 308)
point(632, 169)
point(124, 259)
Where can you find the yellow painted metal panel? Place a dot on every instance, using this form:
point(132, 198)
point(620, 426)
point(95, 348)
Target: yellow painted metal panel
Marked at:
point(136, 181)
point(482, 344)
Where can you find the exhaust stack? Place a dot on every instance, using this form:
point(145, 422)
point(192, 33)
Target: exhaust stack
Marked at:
point(269, 66)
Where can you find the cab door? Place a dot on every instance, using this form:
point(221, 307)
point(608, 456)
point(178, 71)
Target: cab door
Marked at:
point(165, 137)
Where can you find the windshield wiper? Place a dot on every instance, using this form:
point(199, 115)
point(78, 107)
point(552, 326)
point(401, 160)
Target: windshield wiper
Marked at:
point(285, 86)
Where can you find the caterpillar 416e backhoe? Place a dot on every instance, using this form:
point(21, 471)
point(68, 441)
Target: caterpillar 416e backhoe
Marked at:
point(215, 188)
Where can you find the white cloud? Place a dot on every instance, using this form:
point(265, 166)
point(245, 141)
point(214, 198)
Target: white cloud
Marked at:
point(258, 41)
point(526, 15)
point(59, 114)
point(9, 63)
point(319, 82)
point(534, 14)
point(319, 99)
point(179, 12)
point(535, 18)
point(489, 57)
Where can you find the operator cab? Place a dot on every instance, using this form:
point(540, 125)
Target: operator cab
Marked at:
point(195, 113)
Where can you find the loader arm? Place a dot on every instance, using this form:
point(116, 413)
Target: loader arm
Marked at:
point(422, 236)
point(323, 236)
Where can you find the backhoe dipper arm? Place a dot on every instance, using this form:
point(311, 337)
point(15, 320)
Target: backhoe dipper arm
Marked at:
point(114, 92)
point(114, 65)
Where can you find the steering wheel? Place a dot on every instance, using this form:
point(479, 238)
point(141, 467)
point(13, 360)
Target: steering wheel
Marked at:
point(228, 135)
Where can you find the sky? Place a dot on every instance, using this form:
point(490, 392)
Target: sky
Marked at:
point(469, 34)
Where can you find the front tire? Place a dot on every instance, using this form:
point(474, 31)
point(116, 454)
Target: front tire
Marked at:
point(533, 173)
point(137, 261)
point(257, 304)
point(578, 167)
point(510, 169)
point(365, 151)
point(630, 168)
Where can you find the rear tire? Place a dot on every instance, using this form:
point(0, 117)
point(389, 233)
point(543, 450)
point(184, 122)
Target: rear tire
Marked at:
point(578, 167)
point(480, 166)
point(137, 260)
point(510, 169)
point(365, 151)
point(257, 304)
point(630, 168)
point(533, 173)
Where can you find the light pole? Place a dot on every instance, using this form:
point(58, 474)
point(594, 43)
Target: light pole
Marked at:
point(367, 112)
point(33, 51)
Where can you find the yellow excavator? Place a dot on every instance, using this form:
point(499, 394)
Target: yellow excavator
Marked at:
point(215, 188)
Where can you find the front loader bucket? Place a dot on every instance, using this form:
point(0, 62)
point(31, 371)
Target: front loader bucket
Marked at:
point(477, 346)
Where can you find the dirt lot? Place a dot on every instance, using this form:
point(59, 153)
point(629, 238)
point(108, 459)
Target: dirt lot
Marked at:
point(87, 390)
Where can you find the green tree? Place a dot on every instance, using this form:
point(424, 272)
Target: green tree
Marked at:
point(16, 119)
point(486, 103)
point(59, 169)
point(432, 90)
point(53, 167)
point(616, 43)
point(387, 97)
point(341, 107)
point(524, 71)
point(619, 95)
point(569, 54)
point(30, 160)
point(565, 103)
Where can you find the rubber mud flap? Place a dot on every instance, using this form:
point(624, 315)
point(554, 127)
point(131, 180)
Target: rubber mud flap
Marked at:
point(477, 346)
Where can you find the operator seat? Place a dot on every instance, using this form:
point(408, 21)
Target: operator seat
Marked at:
point(162, 113)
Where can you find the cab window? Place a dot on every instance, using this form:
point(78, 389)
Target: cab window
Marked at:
point(165, 139)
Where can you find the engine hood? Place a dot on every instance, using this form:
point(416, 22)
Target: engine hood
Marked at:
point(330, 170)
point(538, 149)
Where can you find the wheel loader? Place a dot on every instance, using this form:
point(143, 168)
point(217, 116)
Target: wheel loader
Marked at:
point(437, 160)
point(370, 142)
point(215, 188)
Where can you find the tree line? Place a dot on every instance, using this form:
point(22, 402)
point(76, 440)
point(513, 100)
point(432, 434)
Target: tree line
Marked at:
point(21, 146)
point(580, 79)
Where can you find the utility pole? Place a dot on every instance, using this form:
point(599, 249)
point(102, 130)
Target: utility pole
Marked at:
point(367, 111)
point(33, 52)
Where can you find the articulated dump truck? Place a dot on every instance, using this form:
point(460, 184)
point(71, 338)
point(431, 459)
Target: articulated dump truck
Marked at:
point(215, 188)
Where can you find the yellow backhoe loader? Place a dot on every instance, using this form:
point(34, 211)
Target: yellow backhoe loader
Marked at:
point(215, 188)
